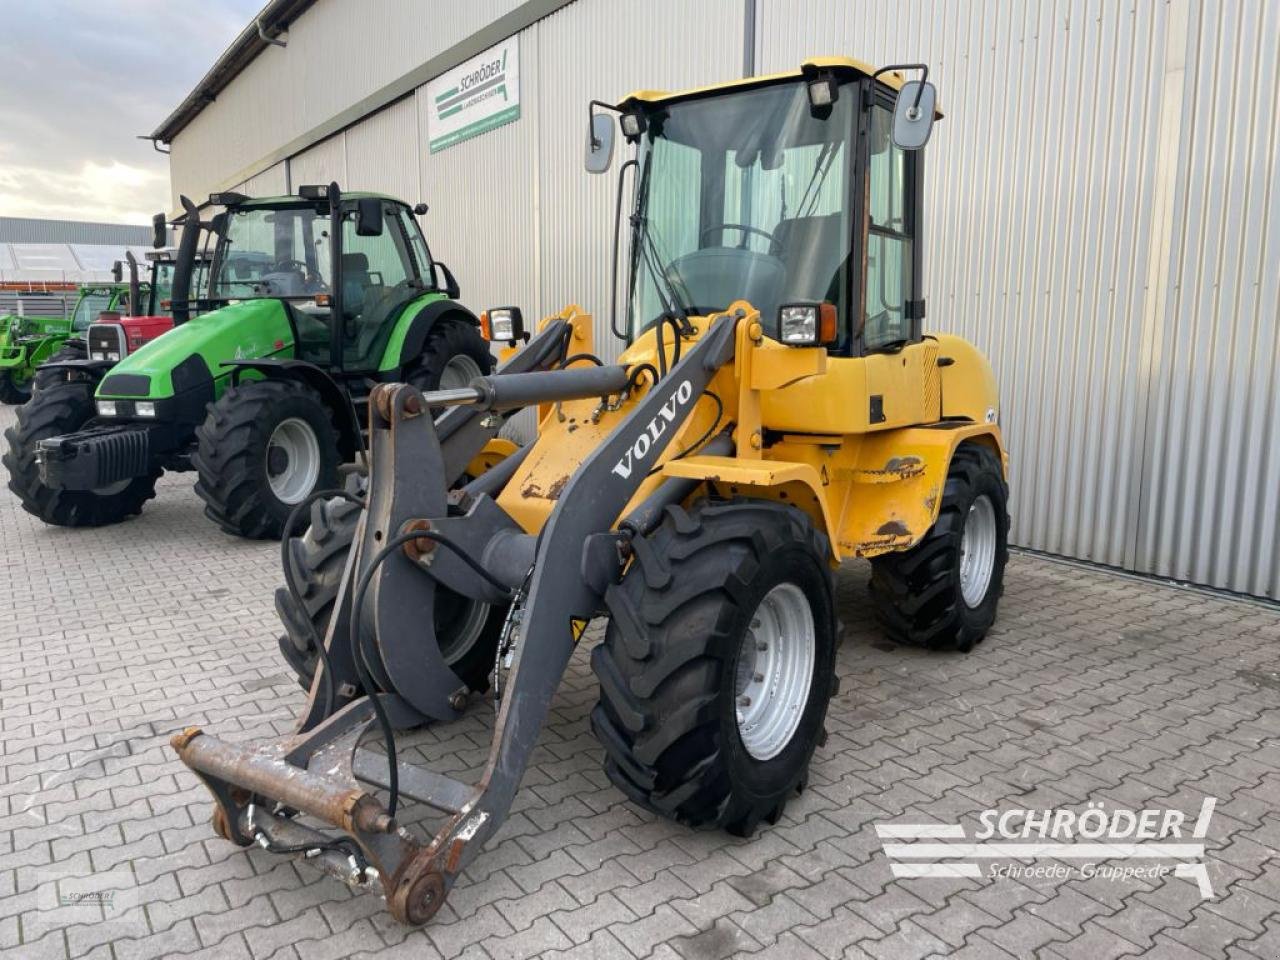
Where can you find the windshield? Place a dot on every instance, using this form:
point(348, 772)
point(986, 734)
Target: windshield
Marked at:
point(743, 196)
point(273, 253)
point(89, 306)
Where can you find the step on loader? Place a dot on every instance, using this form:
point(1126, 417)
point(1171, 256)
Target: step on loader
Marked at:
point(777, 410)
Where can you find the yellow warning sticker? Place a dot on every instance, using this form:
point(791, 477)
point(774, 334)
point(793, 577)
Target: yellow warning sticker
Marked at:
point(577, 626)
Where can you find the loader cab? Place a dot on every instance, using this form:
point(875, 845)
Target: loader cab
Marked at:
point(778, 191)
point(343, 266)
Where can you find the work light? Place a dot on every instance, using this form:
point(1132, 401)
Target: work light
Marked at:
point(823, 91)
point(807, 324)
point(502, 323)
point(633, 124)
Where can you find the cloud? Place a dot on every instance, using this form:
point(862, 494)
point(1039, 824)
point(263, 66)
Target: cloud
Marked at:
point(82, 80)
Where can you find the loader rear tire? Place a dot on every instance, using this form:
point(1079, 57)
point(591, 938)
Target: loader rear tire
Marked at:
point(263, 448)
point(929, 596)
point(71, 350)
point(53, 412)
point(719, 600)
point(468, 632)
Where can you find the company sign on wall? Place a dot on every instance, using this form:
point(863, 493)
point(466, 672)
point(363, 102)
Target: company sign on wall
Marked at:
point(475, 96)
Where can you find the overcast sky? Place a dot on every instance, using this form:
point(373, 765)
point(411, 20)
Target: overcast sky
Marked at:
point(81, 79)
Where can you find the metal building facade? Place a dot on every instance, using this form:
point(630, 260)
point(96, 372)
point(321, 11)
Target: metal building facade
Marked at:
point(1103, 220)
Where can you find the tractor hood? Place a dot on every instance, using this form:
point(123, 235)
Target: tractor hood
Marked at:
point(193, 353)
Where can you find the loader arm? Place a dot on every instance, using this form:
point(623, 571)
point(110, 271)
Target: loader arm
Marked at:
point(318, 771)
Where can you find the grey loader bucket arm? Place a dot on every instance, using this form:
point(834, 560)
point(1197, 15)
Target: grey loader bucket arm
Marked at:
point(321, 772)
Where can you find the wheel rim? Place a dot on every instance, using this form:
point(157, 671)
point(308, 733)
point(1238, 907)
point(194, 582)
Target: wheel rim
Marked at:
point(459, 622)
point(293, 460)
point(774, 671)
point(978, 551)
point(459, 372)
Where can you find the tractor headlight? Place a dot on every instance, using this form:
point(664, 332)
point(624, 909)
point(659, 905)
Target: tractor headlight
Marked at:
point(502, 323)
point(106, 408)
point(807, 324)
point(98, 355)
point(113, 355)
point(144, 408)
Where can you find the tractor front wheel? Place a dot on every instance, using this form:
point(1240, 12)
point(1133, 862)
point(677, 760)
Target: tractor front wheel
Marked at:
point(53, 412)
point(263, 448)
point(718, 664)
point(942, 593)
point(466, 630)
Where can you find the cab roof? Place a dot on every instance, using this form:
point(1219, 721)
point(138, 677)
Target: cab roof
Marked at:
point(292, 199)
point(843, 67)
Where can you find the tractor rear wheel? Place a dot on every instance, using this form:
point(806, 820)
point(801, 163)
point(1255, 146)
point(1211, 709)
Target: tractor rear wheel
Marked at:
point(14, 387)
point(53, 412)
point(467, 630)
point(718, 664)
point(264, 447)
point(453, 356)
point(70, 350)
point(942, 593)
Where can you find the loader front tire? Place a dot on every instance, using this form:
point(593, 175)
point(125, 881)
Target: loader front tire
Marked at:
point(467, 631)
point(54, 412)
point(263, 448)
point(943, 592)
point(718, 664)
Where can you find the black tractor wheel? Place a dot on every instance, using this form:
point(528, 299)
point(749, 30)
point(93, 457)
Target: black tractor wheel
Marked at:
point(454, 354)
point(14, 388)
point(943, 592)
point(263, 447)
point(718, 664)
point(70, 350)
point(53, 412)
point(467, 631)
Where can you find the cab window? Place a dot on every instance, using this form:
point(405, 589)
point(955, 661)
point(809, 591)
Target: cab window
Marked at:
point(890, 238)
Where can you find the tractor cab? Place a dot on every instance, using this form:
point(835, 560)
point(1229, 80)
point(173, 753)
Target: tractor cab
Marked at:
point(114, 333)
point(343, 266)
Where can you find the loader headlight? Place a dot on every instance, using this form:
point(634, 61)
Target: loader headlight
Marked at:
point(807, 324)
point(502, 323)
point(144, 408)
point(106, 408)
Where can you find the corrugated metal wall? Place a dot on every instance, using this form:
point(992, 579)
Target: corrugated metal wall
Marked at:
point(1103, 220)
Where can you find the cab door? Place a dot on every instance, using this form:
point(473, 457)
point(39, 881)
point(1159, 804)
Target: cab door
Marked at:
point(901, 366)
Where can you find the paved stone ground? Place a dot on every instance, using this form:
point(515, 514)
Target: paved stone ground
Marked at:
point(1092, 688)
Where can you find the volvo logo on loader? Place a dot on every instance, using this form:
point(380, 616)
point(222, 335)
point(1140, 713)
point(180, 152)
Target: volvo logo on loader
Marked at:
point(657, 427)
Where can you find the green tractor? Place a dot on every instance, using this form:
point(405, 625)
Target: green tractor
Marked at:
point(27, 342)
point(312, 301)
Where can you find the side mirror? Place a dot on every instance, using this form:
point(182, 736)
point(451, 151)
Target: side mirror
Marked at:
point(159, 231)
point(913, 114)
point(443, 277)
point(600, 143)
point(117, 271)
point(369, 217)
point(219, 224)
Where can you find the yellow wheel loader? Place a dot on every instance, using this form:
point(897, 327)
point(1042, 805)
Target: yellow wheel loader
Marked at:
point(778, 409)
